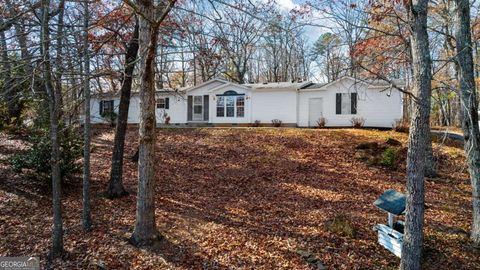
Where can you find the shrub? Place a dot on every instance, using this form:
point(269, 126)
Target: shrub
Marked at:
point(166, 118)
point(110, 117)
point(389, 157)
point(277, 122)
point(256, 123)
point(37, 157)
point(368, 145)
point(392, 142)
point(401, 126)
point(357, 122)
point(341, 225)
point(4, 118)
point(321, 122)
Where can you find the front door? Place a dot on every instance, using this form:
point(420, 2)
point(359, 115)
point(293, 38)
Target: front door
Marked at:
point(197, 108)
point(315, 111)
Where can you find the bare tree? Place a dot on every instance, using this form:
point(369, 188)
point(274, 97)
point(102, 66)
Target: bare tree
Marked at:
point(237, 34)
point(115, 186)
point(150, 18)
point(87, 217)
point(419, 133)
point(469, 107)
point(328, 56)
point(53, 98)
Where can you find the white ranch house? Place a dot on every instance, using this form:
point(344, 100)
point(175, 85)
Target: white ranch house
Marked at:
point(301, 104)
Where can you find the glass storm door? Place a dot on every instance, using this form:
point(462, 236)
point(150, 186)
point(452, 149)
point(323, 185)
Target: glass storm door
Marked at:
point(197, 108)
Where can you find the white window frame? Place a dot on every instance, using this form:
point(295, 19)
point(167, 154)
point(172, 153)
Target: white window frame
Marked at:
point(217, 106)
point(161, 105)
point(201, 104)
point(235, 106)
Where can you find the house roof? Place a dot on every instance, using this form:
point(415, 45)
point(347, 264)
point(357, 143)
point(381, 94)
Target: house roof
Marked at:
point(278, 85)
point(228, 84)
point(314, 86)
point(369, 83)
point(187, 89)
point(383, 83)
point(112, 94)
point(305, 86)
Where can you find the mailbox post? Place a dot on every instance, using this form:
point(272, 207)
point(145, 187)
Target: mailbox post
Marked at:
point(390, 235)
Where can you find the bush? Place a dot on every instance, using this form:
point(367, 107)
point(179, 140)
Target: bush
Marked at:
point(321, 122)
point(110, 117)
point(166, 118)
point(357, 122)
point(277, 122)
point(389, 157)
point(37, 157)
point(4, 118)
point(393, 142)
point(401, 126)
point(340, 225)
point(256, 123)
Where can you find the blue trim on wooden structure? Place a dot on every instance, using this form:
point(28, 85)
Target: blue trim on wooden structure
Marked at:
point(392, 201)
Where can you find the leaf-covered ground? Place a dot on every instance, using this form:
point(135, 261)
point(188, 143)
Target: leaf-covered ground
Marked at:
point(242, 198)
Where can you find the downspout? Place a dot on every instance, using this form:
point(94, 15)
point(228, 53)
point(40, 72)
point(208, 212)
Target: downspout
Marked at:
point(298, 106)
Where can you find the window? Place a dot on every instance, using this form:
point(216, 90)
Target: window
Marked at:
point(346, 103)
point(163, 103)
point(106, 107)
point(240, 106)
point(160, 103)
point(230, 104)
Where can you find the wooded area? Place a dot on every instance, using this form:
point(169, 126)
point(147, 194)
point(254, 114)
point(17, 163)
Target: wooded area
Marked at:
point(57, 55)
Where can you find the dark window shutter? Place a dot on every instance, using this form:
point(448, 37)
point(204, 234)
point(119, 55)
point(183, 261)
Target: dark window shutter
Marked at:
point(101, 107)
point(353, 103)
point(205, 107)
point(167, 103)
point(111, 106)
point(189, 108)
point(338, 104)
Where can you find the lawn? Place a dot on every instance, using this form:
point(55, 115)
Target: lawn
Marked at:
point(244, 198)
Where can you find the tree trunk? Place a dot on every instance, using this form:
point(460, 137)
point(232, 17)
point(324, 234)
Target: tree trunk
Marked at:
point(87, 217)
point(430, 160)
point(53, 96)
point(115, 187)
point(145, 232)
point(58, 57)
point(15, 104)
point(469, 108)
point(6, 74)
point(419, 129)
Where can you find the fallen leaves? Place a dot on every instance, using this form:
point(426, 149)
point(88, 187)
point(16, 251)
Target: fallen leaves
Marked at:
point(242, 199)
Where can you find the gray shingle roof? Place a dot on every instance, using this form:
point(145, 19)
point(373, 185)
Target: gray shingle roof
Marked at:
point(313, 86)
point(277, 85)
